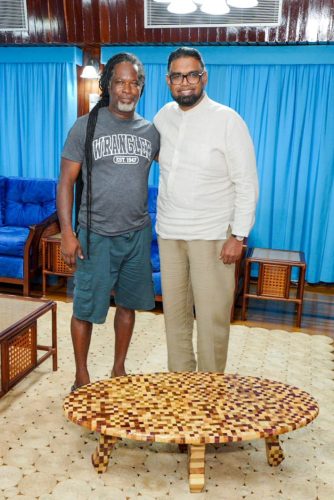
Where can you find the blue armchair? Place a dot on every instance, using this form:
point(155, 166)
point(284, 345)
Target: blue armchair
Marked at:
point(27, 212)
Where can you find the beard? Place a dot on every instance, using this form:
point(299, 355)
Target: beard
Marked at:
point(126, 108)
point(188, 100)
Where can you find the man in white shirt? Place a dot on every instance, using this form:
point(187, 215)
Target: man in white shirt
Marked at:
point(206, 207)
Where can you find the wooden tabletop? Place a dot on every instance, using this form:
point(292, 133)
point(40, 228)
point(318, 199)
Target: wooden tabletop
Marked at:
point(14, 310)
point(291, 257)
point(191, 407)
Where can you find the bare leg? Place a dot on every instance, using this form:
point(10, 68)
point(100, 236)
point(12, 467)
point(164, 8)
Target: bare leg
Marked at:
point(81, 332)
point(123, 323)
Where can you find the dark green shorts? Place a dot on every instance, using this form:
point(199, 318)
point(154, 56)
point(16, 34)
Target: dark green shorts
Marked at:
point(119, 263)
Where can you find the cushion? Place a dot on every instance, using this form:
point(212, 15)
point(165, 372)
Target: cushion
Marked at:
point(152, 199)
point(13, 240)
point(155, 259)
point(3, 181)
point(153, 216)
point(157, 283)
point(11, 267)
point(29, 201)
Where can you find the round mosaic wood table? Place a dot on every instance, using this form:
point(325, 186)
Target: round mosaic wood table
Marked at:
point(192, 408)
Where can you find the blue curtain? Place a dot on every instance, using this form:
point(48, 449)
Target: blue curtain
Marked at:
point(286, 96)
point(155, 93)
point(38, 105)
point(290, 112)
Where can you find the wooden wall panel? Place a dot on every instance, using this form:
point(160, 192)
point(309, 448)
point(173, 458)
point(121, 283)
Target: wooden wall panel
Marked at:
point(92, 23)
point(96, 22)
point(87, 86)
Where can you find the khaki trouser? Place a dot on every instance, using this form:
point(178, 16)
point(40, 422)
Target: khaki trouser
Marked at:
point(192, 275)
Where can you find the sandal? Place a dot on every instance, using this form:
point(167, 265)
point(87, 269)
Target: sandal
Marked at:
point(75, 387)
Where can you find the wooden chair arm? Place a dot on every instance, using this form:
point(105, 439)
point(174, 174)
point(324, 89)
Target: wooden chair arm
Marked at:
point(32, 248)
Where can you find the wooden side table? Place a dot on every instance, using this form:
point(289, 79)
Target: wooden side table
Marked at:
point(19, 346)
point(52, 261)
point(274, 280)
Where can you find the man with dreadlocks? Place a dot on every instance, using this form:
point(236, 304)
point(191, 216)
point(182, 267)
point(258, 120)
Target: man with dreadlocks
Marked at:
point(112, 148)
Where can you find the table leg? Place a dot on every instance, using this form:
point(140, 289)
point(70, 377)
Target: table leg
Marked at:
point(43, 268)
point(54, 338)
point(196, 466)
point(183, 448)
point(100, 457)
point(300, 295)
point(274, 451)
point(246, 289)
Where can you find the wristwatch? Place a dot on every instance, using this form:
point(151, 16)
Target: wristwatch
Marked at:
point(237, 237)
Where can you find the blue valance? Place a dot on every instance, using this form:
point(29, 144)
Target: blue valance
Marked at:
point(228, 55)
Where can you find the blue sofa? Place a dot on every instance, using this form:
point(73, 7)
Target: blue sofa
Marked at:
point(27, 212)
point(155, 260)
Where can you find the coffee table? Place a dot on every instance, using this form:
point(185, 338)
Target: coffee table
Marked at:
point(191, 408)
point(18, 337)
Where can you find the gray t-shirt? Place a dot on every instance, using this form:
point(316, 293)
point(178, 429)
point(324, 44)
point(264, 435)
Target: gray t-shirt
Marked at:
point(123, 151)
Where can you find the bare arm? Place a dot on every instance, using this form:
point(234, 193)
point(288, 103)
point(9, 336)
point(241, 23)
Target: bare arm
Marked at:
point(70, 245)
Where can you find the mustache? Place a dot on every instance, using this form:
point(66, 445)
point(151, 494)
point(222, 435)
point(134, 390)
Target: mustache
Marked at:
point(188, 100)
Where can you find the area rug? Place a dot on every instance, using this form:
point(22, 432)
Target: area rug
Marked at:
point(42, 455)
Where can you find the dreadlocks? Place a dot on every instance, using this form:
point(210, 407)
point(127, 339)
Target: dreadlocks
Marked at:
point(104, 84)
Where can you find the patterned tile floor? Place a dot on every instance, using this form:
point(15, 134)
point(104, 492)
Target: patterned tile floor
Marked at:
point(42, 455)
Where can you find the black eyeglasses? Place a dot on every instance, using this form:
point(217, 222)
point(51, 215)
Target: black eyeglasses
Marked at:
point(191, 77)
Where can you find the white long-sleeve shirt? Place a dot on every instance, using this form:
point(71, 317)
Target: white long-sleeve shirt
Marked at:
point(208, 178)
